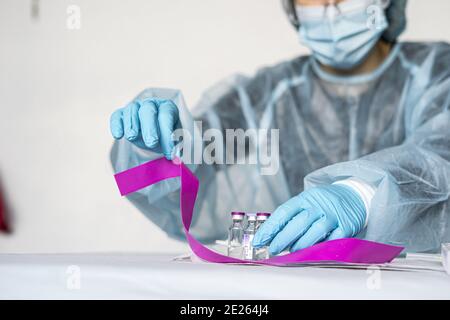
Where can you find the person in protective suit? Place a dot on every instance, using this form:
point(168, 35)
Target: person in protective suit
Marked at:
point(364, 136)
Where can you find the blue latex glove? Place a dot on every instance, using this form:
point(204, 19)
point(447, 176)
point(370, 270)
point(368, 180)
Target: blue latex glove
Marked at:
point(148, 124)
point(318, 214)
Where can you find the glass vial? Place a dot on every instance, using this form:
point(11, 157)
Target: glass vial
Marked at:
point(235, 235)
point(249, 233)
point(261, 253)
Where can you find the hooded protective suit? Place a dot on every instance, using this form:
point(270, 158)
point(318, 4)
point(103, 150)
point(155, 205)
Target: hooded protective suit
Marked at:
point(390, 128)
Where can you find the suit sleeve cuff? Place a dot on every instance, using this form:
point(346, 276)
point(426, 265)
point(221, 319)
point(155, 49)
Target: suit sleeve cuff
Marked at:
point(365, 191)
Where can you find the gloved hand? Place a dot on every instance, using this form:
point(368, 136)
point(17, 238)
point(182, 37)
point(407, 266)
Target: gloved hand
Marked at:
point(148, 124)
point(318, 214)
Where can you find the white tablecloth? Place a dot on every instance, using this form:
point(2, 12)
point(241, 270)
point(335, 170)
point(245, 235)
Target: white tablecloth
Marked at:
point(139, 276)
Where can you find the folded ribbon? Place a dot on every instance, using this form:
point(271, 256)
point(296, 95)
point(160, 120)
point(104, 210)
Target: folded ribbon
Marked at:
point(354, 251)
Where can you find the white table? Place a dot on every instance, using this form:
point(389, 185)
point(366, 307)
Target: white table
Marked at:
point(139, 276)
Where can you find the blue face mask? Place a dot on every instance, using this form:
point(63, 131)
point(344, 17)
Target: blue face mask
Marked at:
point(342, 36)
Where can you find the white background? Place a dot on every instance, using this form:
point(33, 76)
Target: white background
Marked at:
point(59, 86)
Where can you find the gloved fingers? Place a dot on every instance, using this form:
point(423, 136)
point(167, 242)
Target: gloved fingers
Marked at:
point(131, 121)
point(295, 229)
point(318, 231)
point(116, 124)
point(280, 217)
point(338, 233)
point(148, 117)
point(167, 119)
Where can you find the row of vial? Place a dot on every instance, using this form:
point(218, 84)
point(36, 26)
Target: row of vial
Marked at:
point(240, 236)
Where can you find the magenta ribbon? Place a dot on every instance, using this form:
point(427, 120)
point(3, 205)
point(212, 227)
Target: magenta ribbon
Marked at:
point(345, 251)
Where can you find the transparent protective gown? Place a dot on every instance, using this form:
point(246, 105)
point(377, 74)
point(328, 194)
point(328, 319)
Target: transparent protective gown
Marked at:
point(390, 128)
